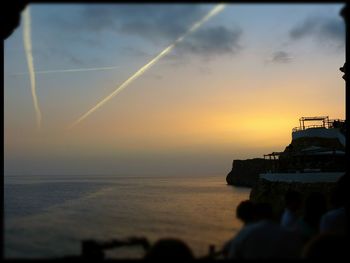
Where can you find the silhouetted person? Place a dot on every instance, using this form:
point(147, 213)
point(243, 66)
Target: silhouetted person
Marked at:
point(335, 220)
point(315, 207)
point(245, 211)
point(290, 216)
point(265, 239)
point(326, 247)
point(169, 249)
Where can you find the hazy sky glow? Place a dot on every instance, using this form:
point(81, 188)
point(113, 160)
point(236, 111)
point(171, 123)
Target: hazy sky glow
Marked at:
point(235, 88)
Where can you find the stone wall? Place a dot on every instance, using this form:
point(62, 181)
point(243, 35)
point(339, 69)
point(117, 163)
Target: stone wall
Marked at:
point(273, 192)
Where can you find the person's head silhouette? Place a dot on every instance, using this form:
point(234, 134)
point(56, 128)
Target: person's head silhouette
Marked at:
point(245, 211)
point(169, 249)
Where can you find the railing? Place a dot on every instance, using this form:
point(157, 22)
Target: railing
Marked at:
point(327, 125)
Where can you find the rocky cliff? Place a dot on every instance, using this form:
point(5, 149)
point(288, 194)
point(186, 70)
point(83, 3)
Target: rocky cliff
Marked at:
point(297, 156)
point(245, 172)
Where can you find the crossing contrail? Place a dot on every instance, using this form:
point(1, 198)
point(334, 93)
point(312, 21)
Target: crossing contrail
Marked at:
point(217, 9)
point(28, 50)
point(68, 70)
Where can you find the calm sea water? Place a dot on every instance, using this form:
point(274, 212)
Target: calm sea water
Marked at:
point(48, 217)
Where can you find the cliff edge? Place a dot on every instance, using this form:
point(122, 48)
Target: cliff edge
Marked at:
point(246, 172)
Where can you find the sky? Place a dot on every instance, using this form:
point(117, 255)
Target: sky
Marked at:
point(233, 89)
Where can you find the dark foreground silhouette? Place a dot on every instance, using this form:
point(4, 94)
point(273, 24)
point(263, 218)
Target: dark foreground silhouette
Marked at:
point(306, 230)
point(310, 233)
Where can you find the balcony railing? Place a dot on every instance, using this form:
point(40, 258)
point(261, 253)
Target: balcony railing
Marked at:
point(327, 125)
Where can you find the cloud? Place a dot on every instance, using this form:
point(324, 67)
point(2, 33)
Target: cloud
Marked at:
point(154, 22)
point(322, 29)
point(213, 41)
point(134, 27)
point(163, 24)
point(280, 57)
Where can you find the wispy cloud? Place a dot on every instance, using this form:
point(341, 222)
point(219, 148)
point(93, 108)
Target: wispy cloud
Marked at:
point(157, 21)
point(322, 29)
point(87, 26)
point(161, 24)
point(280, 57)
point(213, 41)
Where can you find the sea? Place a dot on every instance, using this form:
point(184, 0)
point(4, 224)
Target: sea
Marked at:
point(50, 216)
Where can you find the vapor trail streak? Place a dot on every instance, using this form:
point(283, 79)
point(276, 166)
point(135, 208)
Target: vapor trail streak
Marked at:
point(218, 8)
point(68, 70)
point(28, 50)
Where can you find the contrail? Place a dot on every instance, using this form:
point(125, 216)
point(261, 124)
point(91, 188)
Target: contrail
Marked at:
point(217, 9)
point(28, 49)
point(67, 70)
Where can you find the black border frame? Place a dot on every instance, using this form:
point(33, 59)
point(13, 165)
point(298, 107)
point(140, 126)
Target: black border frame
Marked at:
point(16, 6)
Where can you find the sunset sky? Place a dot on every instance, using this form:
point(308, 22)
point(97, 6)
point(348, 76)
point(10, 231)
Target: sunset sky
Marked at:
point(234, 89)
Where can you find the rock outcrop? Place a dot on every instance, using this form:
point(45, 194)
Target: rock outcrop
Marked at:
point(300, 155)
point(245, 172)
